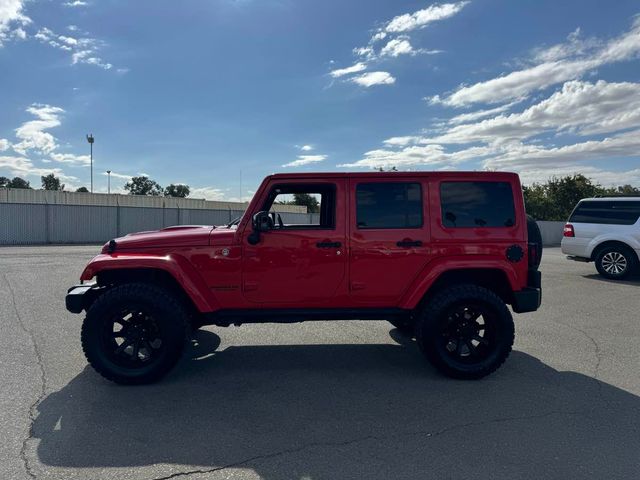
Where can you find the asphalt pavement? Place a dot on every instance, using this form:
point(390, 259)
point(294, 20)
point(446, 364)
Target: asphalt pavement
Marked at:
point(322, 400)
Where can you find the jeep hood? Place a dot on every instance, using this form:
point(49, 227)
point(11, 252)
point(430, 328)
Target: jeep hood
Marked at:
point(178, 236)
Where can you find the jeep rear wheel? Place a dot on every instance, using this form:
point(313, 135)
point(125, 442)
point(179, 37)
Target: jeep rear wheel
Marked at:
point(615, 262)
point(466, 332)
point(134, 333)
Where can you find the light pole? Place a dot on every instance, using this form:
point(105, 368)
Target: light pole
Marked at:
point(109, 181)
point(90, 140)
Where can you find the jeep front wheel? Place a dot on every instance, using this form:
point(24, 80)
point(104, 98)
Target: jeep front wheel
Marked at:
point(466, 332)
point(134, 333)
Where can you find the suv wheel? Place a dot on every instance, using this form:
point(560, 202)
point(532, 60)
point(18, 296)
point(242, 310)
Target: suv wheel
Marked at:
point(134, 333)
point(466, 332)
point(615, 262)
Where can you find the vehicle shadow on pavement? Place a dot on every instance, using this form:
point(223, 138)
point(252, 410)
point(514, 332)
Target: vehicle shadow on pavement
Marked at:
point(630, 280)
point(343, 411)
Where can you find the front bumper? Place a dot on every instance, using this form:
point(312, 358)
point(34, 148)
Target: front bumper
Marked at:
point(79, 297)
point(529, 299)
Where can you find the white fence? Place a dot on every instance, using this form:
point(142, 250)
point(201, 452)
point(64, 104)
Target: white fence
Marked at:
point(551, 233)
point(30, 217)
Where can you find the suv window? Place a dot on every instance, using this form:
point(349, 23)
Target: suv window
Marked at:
point(389, 205)
point(607, 212)
point(320, 200)
point(477, 204)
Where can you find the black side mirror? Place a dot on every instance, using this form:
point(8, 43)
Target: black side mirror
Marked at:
point(261, 222)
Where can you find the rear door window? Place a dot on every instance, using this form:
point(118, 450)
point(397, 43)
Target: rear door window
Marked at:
point(389, 205)
point(477, 204)
point(614, 212)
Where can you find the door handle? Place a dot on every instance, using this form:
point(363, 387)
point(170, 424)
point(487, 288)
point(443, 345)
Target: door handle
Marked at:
point(328, 244)
point(409, 243)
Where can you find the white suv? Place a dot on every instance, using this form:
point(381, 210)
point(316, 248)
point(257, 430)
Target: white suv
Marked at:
point(606, 231)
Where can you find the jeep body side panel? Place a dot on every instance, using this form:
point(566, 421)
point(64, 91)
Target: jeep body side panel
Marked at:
point(385, 259)
point(472, 247)
point(443, 264)
point(178, 264)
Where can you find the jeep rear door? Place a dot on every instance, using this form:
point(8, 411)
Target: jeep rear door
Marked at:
point(389, 237)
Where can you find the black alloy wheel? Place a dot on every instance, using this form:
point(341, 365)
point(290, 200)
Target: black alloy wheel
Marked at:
point(465, 331)
point(134, 333)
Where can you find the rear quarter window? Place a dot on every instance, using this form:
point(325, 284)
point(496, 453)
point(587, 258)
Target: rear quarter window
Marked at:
point(615, 212)
point(477, 204)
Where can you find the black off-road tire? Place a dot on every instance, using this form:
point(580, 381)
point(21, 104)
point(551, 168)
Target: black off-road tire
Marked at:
point(171, 326)
point(609, 260)
point(534, 236)
point(437, 317)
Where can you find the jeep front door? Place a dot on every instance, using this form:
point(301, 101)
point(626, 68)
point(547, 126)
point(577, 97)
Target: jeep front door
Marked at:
point(302, 261)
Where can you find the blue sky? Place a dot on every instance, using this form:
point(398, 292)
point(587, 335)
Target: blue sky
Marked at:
point(202, 92)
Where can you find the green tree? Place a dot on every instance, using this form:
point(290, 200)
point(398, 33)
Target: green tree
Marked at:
point(556, 199)
point(4, 182)
point(18, 182)
point(143, 185)
point(51, 182)
point(625, 190)
point(82, 190)
point(536, 201)
point(307, 200)
point(177, 190)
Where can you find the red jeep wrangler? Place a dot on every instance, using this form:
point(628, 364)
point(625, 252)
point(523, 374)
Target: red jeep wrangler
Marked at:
point(440, 255)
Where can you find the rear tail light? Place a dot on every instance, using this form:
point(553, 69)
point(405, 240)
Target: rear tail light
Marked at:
point(568, 231)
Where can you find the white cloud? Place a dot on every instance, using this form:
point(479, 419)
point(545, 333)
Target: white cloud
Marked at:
point(421, 18)
point(358, 67)
point(11, 19)
point(607, 178)
point(19, 34)
point(478, 114)
point(570, 64)
point(522, 156)
point(208, 193)
point(366, 52)
point(416, 155)
point(68, 40)
point(400, 45)
point(306, 148)
point(370, 79)
point(524, 141)
point(575, 45)
point(402, 141)
point(118, 175)
point(71, 158)
point(32, 134)
point(34, 138)
point(97, 61)
point(397, 46)
point(305, 160)
point(83, 50)
point(76, 3)
point(579, 107)
point(23, 167)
